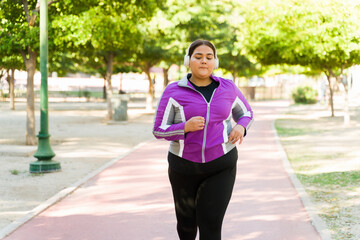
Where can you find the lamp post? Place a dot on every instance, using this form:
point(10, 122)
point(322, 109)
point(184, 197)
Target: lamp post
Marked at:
point(44, 153)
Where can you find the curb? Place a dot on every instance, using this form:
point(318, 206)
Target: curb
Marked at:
point(311, 210)
point(62, 194)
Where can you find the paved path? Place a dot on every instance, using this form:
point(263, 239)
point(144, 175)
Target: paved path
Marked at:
point(131, 200)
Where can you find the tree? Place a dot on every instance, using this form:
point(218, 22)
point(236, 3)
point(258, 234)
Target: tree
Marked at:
point(150, 55)
point(234, 62)
point(167, 35)
point(10, 64)
point(89, 62)
point(159, 46)
point(323, 37)
point(219, 22)
point(164, 43)
point(105, 31)
point(180, 23)
point(230, 45)
point(20, 33)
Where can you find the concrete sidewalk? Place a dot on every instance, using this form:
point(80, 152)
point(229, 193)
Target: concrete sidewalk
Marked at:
point(131, 200)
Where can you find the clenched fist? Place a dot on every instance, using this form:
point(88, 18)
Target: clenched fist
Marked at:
point(194, 124)
point(237, 134)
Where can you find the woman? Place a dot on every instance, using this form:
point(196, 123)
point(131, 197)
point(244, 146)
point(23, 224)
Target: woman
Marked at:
point(195, 115)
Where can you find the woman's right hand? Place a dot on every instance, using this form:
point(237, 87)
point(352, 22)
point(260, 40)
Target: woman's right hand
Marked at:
point(194, 124)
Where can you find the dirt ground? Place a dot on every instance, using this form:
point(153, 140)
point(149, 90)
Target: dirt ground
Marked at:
point(82, 140)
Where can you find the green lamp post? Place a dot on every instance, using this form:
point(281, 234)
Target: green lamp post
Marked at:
point(44, 153)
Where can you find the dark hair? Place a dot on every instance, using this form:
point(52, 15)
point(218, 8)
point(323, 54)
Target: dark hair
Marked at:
point(199, 42)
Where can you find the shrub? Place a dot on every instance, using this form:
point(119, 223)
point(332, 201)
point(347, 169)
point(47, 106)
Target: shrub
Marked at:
point(304, 94)
point(86, 93)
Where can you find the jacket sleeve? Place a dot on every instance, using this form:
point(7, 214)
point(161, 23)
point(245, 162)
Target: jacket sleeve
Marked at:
point(169, 120)
point(241, 110)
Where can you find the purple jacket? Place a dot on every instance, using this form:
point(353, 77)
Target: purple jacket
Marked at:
point(181, 101)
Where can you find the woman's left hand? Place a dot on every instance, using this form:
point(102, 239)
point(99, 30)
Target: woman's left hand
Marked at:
point(237, 134)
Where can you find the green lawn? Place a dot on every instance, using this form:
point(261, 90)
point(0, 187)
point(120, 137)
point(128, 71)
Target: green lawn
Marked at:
point(326, 159)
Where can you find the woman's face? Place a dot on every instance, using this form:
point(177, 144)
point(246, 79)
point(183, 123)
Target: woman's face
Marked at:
point(202, 61)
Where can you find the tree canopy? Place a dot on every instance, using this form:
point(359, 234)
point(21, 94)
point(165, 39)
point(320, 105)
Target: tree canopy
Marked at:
point(297, 32)
point(106, 37)
point(322, 35)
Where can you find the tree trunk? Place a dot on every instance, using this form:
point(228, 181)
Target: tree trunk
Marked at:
point(233, 72)
point(8, 77)
point(344, 82)
point(166, 76)
point(150, 95)
point(346, 108)
point(120, 84)
point(2, 73)
point(104, 89)
point(331, 100)
point(346, 99)
point(30, 65)
point(109, 91)
point(12, 89)
point(234, 77)
point(1, 76)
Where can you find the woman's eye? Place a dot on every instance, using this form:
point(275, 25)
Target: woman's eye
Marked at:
point(198, 58)
point(209, 58)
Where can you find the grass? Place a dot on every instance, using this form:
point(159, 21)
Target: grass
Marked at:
point(83, 93)
point(14, 172)
point(320, 160)
point(17, 172)
point(287, 132)
point(333, 179)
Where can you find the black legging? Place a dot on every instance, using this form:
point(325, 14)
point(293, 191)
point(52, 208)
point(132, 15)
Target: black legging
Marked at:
point(201, 201)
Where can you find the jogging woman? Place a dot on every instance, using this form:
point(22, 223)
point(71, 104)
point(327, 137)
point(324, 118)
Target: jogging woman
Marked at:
point(195, 115)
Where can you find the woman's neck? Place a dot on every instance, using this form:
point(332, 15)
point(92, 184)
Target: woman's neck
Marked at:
point(200, 82)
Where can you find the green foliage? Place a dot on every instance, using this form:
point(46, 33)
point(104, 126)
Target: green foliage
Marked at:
point(82, 33)
point(238, 65)
point(249, 35)
point(16, 34)
point(11, 62)
point(324, 36)
point(178, 23)
point(304, 94)
point(86, 36)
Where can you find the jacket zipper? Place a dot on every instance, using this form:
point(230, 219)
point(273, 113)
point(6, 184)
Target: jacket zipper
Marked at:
point(206, 124)
point(206, 121)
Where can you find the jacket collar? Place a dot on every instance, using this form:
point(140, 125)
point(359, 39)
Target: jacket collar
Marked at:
point(184, 82)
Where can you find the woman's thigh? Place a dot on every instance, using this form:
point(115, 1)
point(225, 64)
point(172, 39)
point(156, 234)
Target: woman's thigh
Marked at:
point(212, 200)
